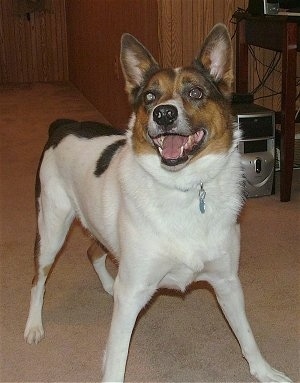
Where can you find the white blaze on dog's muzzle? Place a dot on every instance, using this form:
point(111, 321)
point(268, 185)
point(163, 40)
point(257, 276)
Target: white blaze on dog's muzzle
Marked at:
point(171, 134)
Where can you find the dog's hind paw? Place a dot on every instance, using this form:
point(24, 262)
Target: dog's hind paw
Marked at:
point(269, 374)
point(34, 334)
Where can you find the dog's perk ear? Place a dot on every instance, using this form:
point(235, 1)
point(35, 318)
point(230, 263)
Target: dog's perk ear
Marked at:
point(137, 64)
point(216, 57)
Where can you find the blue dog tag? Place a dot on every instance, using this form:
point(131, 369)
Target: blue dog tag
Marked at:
point(202, 194)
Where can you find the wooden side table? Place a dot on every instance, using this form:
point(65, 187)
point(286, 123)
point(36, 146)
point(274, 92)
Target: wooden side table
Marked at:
point(281, 34)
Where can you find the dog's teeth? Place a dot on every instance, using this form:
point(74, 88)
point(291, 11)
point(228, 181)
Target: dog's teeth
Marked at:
point(199, 135)
point(159, 141)
point(181, 151)
point(189, 143)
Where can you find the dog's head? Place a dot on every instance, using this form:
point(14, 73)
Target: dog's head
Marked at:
point(181, 114)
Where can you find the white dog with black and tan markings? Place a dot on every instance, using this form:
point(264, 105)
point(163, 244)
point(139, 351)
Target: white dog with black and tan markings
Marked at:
point(163, 197)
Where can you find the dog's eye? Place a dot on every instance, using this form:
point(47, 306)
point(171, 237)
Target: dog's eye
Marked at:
point(196, 93)
point(149, 97)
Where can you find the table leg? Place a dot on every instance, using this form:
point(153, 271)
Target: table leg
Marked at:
point(287, 142)
point(241, 58)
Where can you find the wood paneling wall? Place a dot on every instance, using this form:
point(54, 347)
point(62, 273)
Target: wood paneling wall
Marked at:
point(94, 31)
point(173, 30)
point(33, 49)
point(183, 25)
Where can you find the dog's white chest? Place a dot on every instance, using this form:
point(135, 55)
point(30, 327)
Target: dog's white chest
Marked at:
point(180, 244)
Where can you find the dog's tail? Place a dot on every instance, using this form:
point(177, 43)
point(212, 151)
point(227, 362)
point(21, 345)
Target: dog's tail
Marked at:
point(59, 123)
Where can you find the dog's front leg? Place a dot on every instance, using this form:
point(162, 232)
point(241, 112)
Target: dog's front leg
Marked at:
point(128, 301)
point(230, 297)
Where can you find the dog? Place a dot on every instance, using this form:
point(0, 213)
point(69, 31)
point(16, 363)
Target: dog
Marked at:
point(163, 197)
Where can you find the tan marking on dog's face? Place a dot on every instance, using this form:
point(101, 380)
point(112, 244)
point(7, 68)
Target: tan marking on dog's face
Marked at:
point(139, 142)
point(218, 122)
point(162, 83)
point(210, 112)
point(180, 114)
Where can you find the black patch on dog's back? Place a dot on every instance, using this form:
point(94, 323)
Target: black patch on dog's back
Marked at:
point(60, 129)
point(106, 156)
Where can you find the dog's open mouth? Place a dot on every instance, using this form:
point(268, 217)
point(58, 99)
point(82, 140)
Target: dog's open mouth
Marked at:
point(175, 149)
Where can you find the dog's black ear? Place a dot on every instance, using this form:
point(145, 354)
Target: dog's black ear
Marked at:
point(216, 57)
point(137, 63)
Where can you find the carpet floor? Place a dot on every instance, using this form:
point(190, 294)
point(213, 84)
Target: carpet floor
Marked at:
point(179, 337)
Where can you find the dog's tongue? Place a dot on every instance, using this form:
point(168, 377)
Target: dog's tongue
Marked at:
point(172, 144)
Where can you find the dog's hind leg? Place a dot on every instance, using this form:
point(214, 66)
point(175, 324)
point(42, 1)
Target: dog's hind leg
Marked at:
point(97, 257)
point(54, 220)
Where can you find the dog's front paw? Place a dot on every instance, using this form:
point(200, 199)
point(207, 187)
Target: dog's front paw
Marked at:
point(269, 374)
point(34, 334)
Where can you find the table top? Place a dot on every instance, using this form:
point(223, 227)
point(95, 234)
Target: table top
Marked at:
point(267, 31)
point(282, 17)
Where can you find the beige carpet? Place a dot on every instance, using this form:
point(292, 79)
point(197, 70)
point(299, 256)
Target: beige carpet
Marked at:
point(179, 338)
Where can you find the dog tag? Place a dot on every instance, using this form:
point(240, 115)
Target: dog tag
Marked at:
point(202, 194)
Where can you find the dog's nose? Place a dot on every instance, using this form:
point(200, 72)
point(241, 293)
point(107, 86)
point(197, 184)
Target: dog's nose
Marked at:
point(165, 114)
